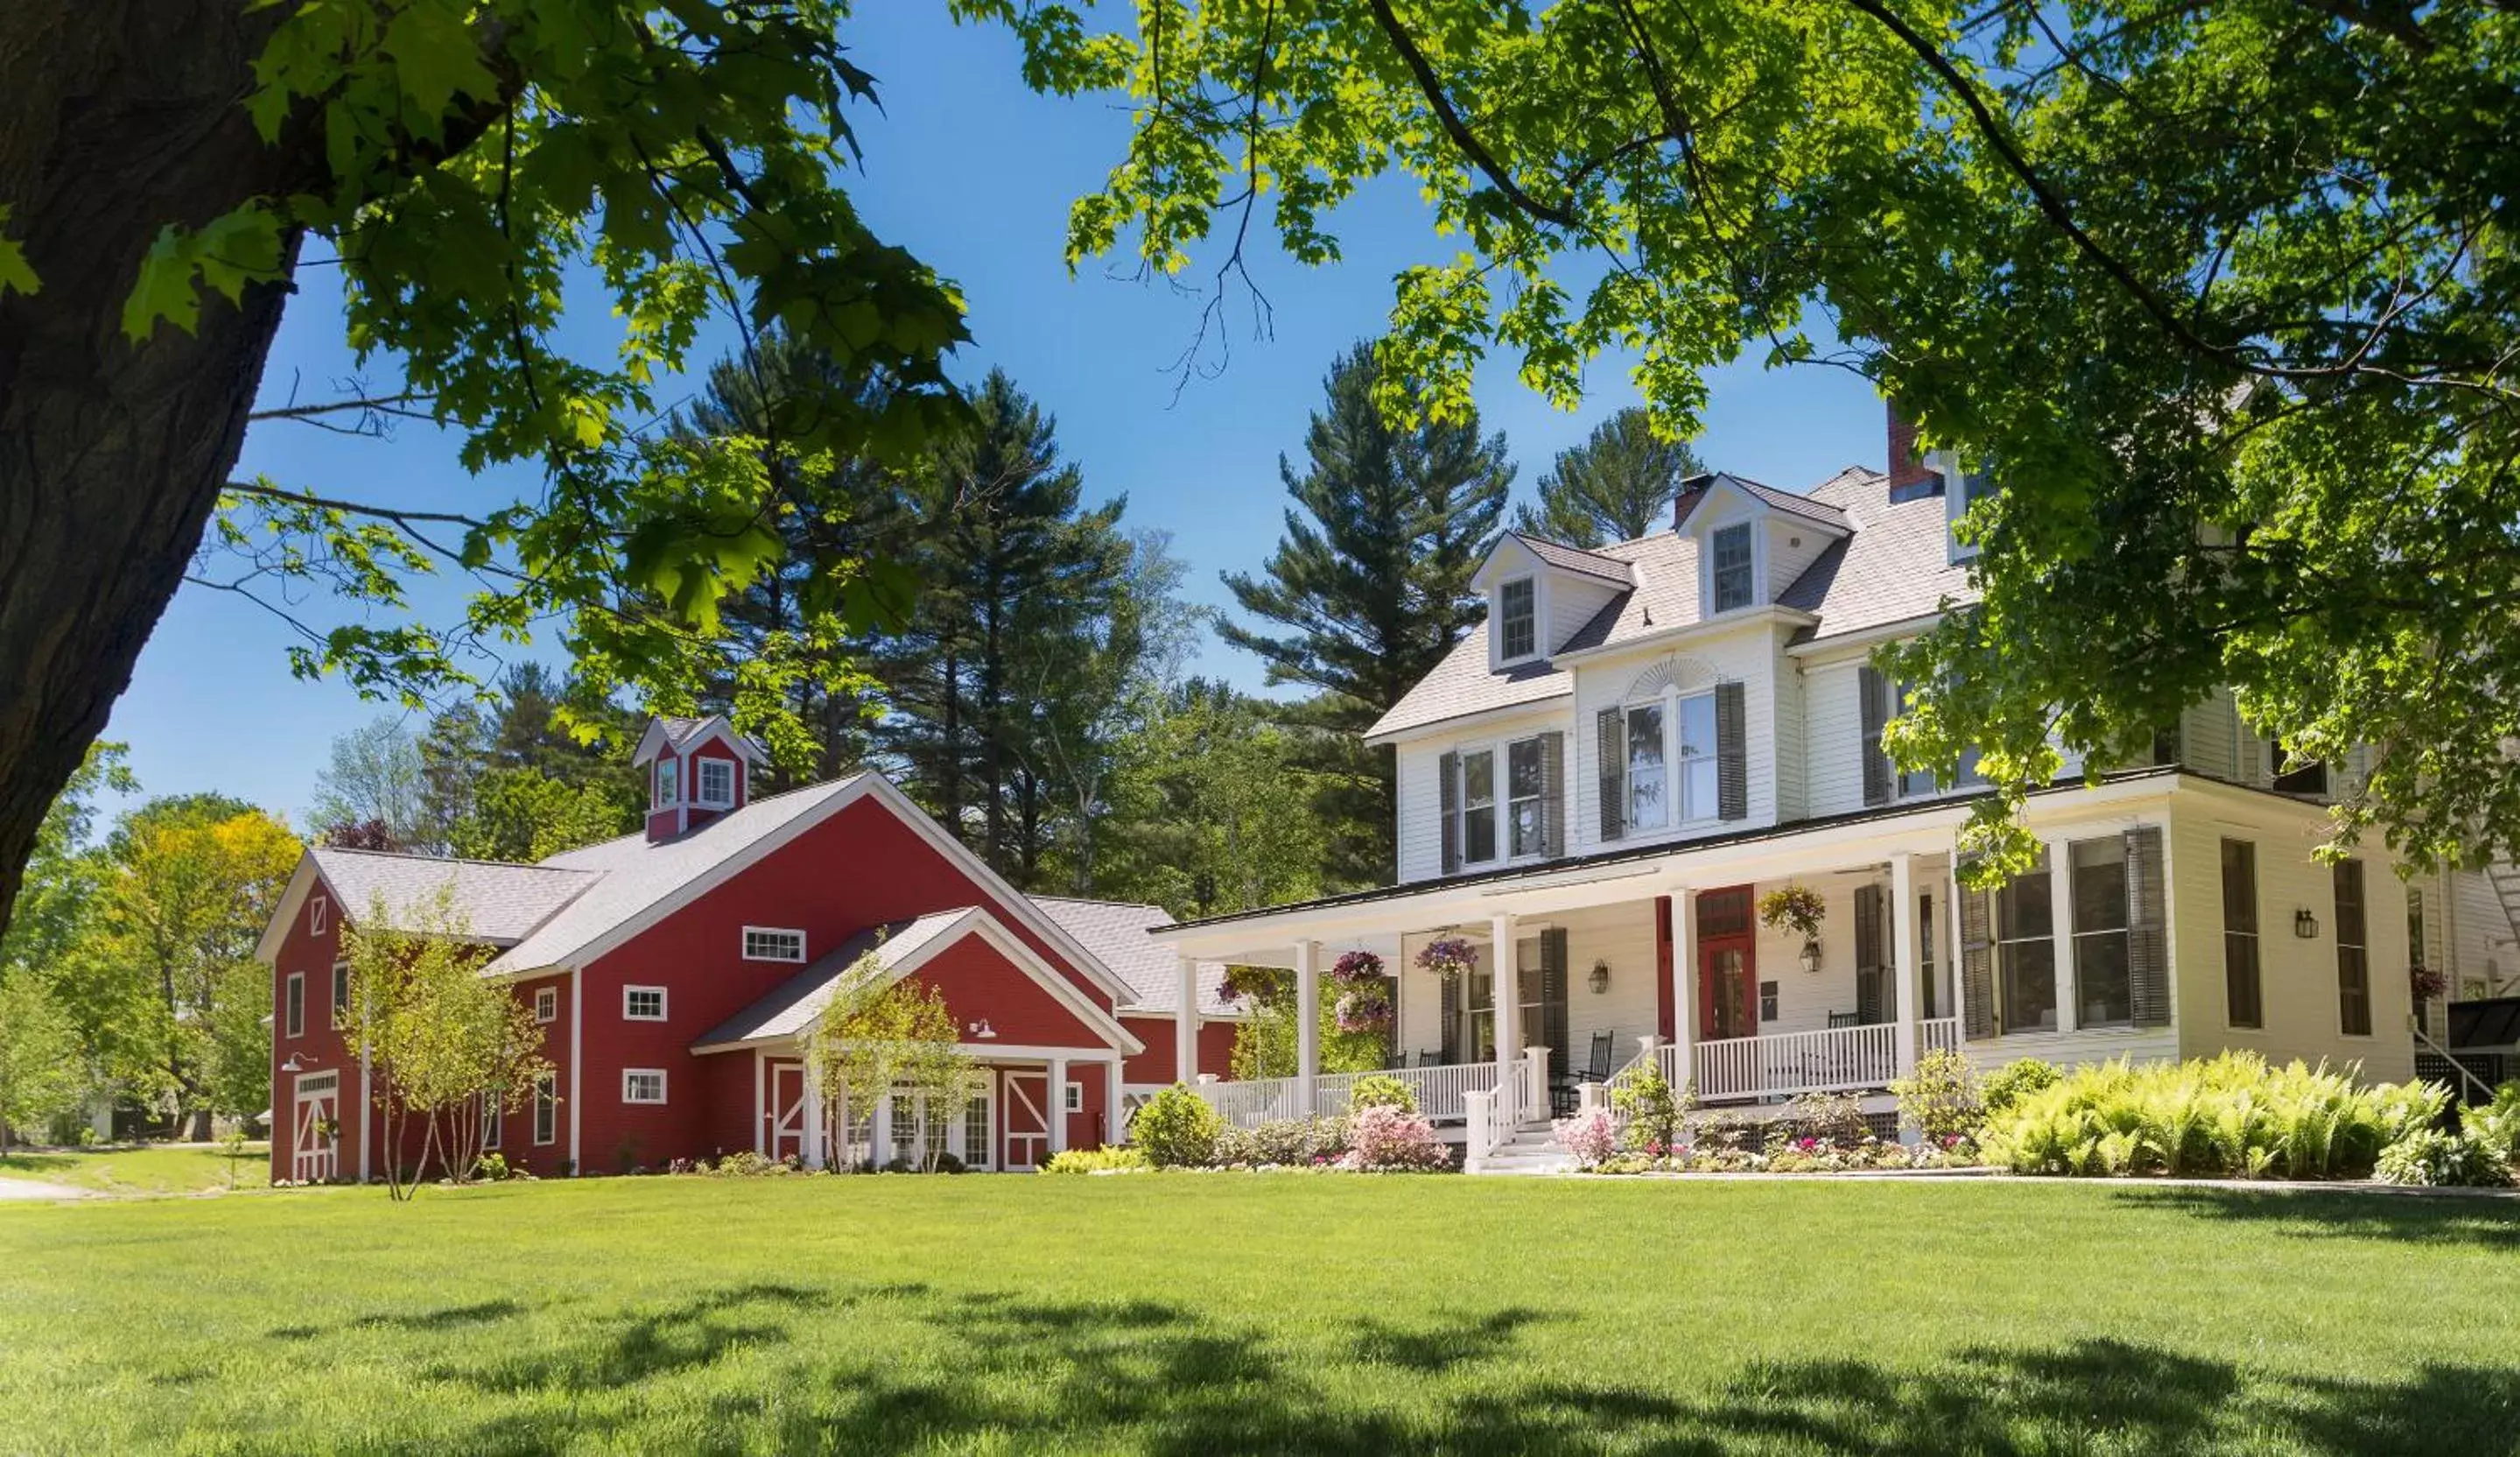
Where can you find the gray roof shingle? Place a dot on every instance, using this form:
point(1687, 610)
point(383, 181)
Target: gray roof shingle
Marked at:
point(500, 904)
point(1115, 932)
point(1893, 566)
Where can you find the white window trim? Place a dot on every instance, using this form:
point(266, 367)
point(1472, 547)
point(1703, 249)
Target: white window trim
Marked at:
point(701, 784)
point(546, 1004)
point(546, 1090)
point(657, 1073)
point(750, 931)
point(292, 1005)
point(319, 915)
point(494, 1124)
point(627, 993)
point(1758, 566)
point(336, 995)
point(1675, 779)
point(1538, 622)
point(1502, 804)
point(1075, 1100)
point(657, 797)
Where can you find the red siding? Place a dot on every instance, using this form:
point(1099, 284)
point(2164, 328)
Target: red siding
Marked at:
point(977, 980)
point(516, 1131)
point(319, 1049)
point(860, 868)
point(1156, 1064)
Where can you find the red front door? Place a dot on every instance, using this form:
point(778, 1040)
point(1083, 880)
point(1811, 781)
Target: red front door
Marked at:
point(1727, 967)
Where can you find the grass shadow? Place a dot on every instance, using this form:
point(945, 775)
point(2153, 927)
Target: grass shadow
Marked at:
point(2404, 1218)
point(638, 1346)
point(1451, 1341)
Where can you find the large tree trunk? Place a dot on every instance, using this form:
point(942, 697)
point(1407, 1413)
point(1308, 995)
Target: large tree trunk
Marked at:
point(116, 117)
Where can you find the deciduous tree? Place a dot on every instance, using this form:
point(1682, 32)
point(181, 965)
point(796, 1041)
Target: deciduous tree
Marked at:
point(882, 1038)
point(2221, 297)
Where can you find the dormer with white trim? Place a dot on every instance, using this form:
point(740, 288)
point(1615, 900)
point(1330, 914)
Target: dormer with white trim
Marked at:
point(698, 770)
point(1753, 542)
point(1540, 593)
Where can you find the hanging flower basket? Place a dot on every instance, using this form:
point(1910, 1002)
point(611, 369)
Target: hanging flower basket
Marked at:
point(1357, 968)
point(1245, 982)
point(2425, 982)
point(1794, 906)
point(1365, 1010)
point(1448, 957)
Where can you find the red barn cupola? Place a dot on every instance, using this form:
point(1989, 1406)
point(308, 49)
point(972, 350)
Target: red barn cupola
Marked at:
point(698, 769)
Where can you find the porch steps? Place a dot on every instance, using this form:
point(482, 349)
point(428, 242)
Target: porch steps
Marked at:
point(1531, 1150)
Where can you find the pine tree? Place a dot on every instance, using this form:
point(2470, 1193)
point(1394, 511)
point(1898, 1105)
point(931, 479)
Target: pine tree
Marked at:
point(1371, 583)
point(1618, 485)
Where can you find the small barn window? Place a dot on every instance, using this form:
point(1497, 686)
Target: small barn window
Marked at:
point(319, 915)
point(643, 1085)
point(669, 782)
point(771, 943)
point(296, 1004)
point(1076, 1096)
point(716, 778)
point(642, 1003)
point(546, 1004)
point(340, 993)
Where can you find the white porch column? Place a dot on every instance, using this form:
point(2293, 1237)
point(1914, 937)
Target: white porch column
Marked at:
point(1308, 1024)
point(1058, 1109)
point(1508, 1000)
point(879, 1133)
point(813, 1116)
point(2060, 920)
point(1683, 987)
point(761, 1121)
point(1904, 959)
point(1953, 891)
point(1115, 1127)
point(1185, 1025)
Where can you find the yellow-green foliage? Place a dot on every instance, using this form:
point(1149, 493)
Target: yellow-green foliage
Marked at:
point(1098, 1161)
point(2230, 1115)
point(1382, 1092)
point(1177, 1129)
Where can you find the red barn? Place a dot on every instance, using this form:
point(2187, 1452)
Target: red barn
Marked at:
point(676, 972)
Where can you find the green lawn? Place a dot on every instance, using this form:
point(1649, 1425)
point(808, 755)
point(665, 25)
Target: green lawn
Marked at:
point(184, 1168)
point(1210, 1315)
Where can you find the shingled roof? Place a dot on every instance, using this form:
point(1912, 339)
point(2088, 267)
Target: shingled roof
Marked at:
point(498, 902)
point(1893, 566)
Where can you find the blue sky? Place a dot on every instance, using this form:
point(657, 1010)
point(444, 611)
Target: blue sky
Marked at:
point(972, 173)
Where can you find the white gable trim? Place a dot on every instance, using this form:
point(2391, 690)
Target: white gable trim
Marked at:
point(975, 921)
point(292, 902)
point(867, 785)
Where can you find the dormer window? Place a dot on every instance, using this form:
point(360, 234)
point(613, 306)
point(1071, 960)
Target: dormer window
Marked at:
point(669, 782)
point(1519, 618)
point(1730, 549)
point(716, 782)
point(1967, 490)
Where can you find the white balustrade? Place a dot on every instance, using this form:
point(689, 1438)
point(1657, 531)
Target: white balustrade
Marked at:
point(1836, 1060)
point(1442, 1093)
point(1938, 1034)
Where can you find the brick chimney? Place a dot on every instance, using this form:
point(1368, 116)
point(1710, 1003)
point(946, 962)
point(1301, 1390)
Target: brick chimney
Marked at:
point(1691, 489)
point(1908, 476)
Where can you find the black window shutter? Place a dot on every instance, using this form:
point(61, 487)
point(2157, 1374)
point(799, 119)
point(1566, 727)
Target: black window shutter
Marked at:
point(2148, 929)
point(1868, 954)
point(1977, 964)
point(1553, 793)
point(1451, 1015)
point(1553, 1000)
point(1731, 754)
point(1611, 731)
point(1875, 691)
point(1447, 807)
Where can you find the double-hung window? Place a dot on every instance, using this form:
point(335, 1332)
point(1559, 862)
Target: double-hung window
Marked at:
point(1730, 546)
point(669, 781)
point(296, 1010)
point(493, 1121)
point(1517, 604)
point(1478, 807)
point(2243, 1004)
point(2353, 952)
point(1649, 803)
point(2418, 950)
point(2104, 990)
point(1697, 755)
point(1526, 786)
point(340, 993)
point(546, 1108)
point(2025, 951)
point(717, 778)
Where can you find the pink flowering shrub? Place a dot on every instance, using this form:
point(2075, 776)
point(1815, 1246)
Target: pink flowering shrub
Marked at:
point(1382, 1138)
point(1592, 1137)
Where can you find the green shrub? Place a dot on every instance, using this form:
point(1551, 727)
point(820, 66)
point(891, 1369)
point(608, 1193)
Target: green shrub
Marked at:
point(1177, 1129)
point(2227, 1115)
point(1287, 1142)
point(2014, 1080)
point(1829, 1121)
point(2431, 1157)
point(2497, 1124)
point(1098, 1161)
point(490, 1167)
point(1382, 1092)
point(745, 1164)
point(1941, 1100)
point(1652, 1113)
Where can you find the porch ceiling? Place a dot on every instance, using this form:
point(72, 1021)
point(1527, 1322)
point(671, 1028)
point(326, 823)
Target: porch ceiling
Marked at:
point(1805, 847)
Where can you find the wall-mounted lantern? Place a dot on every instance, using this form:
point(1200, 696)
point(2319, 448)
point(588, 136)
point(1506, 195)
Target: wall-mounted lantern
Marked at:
point(1599, 981)
point(2305, 924)
point(1810, 957)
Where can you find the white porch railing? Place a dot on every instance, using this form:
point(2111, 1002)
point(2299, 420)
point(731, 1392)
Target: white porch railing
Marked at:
point(1836, 1060)
point(1443, 1093)
point(1938, 1034)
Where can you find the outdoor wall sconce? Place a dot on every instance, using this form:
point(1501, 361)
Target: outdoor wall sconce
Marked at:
point(2305, 924)
point(1599, 981)
point(294, 1065)
point(1810, 957)
point(981, 1032)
